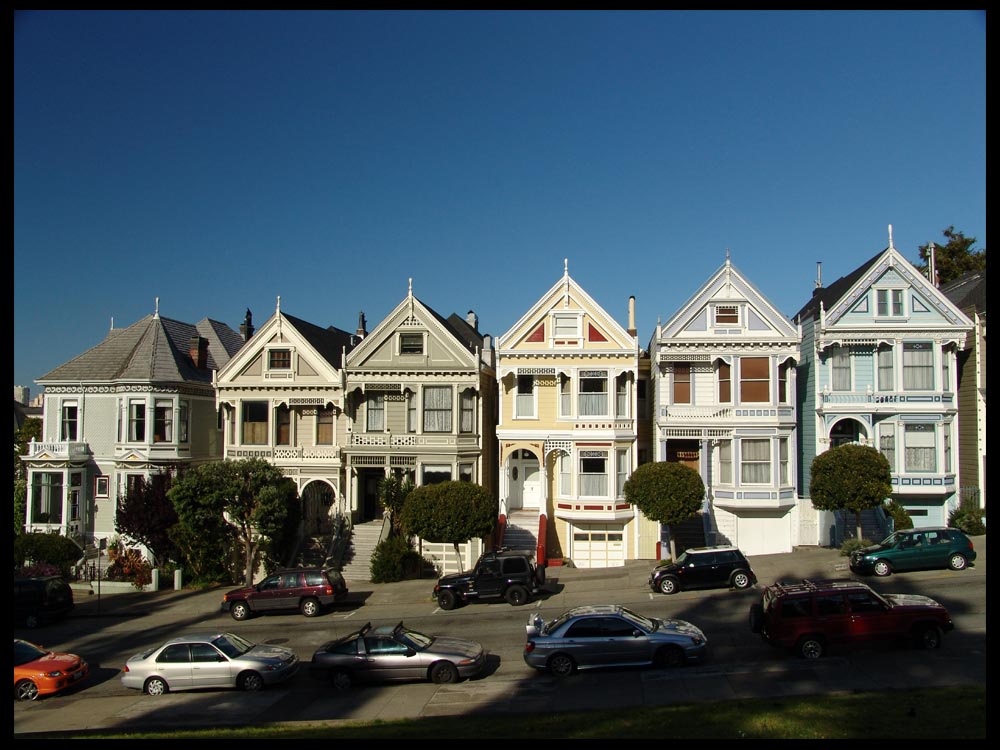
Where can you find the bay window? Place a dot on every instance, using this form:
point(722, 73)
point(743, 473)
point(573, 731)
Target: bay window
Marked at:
point(919, 447)
point(593, 473)
point(137, 421)
point(437, 409)
point(254, 423)
point(163, 421)
point(755, 461)
point(375, 412)
point(726, 462)
point(918, 367)
point(840, 368)
point(724, 372)
point(887, 444)
point(467, 417)
point(886, 379)
point(68, 429)
point(755, 380)
point(524, 398)
point(682, 383)
point(593, 393)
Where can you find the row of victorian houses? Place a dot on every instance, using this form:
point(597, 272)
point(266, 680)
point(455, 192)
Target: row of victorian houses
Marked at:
point(552, 416)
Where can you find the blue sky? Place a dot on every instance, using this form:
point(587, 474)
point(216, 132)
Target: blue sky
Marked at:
point(219, 160)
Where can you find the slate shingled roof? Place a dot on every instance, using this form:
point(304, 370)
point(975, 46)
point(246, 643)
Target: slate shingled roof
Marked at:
point(967, 291)
point(830, 295)
point(154, 349)
point(329, 342)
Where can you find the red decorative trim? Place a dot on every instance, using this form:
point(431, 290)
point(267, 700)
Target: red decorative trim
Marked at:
point(593, 334)
point(594, 507)
point(537, 336)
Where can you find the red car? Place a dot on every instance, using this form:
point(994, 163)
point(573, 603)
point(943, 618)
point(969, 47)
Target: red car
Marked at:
point(41, 672)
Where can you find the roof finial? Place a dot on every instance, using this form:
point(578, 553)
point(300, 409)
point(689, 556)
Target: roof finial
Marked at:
point(565, 266)
point(890, 238)
point(409, 288)
point(156, 310)
point(112, 322)
point(277, 306)
point(727, 256)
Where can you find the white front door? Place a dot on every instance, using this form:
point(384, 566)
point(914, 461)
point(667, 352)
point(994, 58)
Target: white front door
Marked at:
point(525, 486)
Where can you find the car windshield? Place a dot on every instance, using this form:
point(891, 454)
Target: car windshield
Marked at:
point(414, 639)
point(232, 645)
point(643, 622)
point(892, 540)
point(25, 652)
point(682, 558)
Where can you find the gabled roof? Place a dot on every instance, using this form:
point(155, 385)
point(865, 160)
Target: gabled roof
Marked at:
point(829, 295)
point(154, 349)
point(967, 291)
point(328, 342)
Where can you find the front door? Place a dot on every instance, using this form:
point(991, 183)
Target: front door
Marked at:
point(525, 487)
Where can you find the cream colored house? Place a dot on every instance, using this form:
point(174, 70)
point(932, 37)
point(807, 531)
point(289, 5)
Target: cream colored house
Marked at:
point(282, 399)
point(572, 398)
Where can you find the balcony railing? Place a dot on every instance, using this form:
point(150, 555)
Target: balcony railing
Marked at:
point(917, 398)
point(62, 449)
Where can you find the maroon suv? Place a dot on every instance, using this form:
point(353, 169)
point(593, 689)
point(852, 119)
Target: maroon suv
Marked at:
point(308, 590)
point(808, 617)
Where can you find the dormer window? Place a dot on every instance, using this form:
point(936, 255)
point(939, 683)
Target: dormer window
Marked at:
point(727, 315)
point(411, 343)
point(889, 303)
point(279, 359)
point(565, 326)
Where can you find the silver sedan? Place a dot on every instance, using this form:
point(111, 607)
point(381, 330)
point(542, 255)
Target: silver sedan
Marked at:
point(208, 660)
point(609, 635)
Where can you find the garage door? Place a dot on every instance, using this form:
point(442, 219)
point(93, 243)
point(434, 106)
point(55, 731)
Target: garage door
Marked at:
point(598, 546)
point(764, 534)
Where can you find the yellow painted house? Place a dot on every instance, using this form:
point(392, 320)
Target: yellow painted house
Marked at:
point(573, 425)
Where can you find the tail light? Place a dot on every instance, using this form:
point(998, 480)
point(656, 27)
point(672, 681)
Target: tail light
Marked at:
point(125, 668)
point(529, 647)
point(328, 590)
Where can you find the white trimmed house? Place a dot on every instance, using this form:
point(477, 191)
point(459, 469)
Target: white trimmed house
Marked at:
point(724, 379)
point(879, 368)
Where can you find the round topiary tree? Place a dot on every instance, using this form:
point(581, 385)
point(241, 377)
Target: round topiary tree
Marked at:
point(851, 478)
point(450, 513)
point(666, 492)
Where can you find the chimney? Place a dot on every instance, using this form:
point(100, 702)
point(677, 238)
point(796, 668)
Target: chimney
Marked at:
point(198, 349)
point(246, 328)
point(472, 319)
point(631, 316)
point(361, 332)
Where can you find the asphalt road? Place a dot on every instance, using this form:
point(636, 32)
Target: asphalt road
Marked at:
point(109, 629)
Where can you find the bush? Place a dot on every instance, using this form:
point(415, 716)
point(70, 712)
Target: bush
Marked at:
point(969, 518)
point(900, 518)
point(42, 547)
point(850, 545)
point(130, 566)
point(394, 560)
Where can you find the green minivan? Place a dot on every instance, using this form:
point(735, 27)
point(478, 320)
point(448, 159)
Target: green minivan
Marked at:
point(915, 549)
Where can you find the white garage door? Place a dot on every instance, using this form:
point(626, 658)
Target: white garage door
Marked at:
point(764, 534)
point(599, 546)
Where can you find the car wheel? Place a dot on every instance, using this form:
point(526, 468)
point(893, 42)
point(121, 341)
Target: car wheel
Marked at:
point(811, 647)
point(957, 562)
point(741, 579)
point(239, 610)
point(929, 637)
point(341, 679)
point(444, 673)
point(562, 665)
point(25, 690)
point(669, 585)
point(447, 599)
point(670, 656)
point(250, 682)
point(882, 568)
point(309, 607)
point(156, 686)
point(516, 595)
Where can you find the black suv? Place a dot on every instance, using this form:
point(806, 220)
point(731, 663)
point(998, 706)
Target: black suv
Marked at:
point(703, 568)
point(41, 600)
point(503, 573)
point(306, 589)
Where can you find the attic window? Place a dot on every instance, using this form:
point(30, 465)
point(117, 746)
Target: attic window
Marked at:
point(411, 343)
point(727, 315)
point(280, 359)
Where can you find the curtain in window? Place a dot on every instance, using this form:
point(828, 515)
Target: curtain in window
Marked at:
point(594, 477)
point(467, 419)
point(783, 460)
point(755, 379)
point(725, 383)
point(324, 427)
point(840, 365)
point(376, 413)
point(621, 393)
point(565, 396)
point(755, 461)
point(885, 376)
point(887, 444)
point(255, 423)
point(918, 367)
point(920, 450)
point(437, 409)
point(565, 475)
point(726, 462)
point(682, 383)
point(594, 397)
point(622, 471)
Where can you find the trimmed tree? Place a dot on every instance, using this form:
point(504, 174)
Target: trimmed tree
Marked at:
point(669, 493)
point(450, 513)
point(393, 491)
point(851, 478)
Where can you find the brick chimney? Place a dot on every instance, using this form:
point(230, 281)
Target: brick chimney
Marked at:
point(198, 349)
point(246, 327)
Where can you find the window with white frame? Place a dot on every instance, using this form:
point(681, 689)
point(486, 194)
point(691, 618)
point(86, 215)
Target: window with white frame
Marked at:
point(593, 473)
point(163, 421)
point(755, 461)
point(755, 380)
point(437, 408)
point(254, 423)
point(467, 416)
point(886, 376)
point(411, 411)
point(727, 315)
point(784, 395)
point(75, 485)
point(887, 443)
point(725, 375)
point(840, 368)
point(945, 371)
point(68, 429)
point(183, 422)
point(565, 326)
point(46, 497)
point(325, 422)
point(465, 472)
point(375, 412)
point(411, 343)
point(565, 475)
point(279, 359)
point(435, 473)
point(919, 446)
point(524, 396)
point(918, 366)
point(137, 421)
point(681, 393)
point(889, 303)
point(783, 460)
point(946, 445)
point(622, 472)
point(282, 425)
point(565, 396)
point(725, 461)
point(593, 393)
point(621, 395)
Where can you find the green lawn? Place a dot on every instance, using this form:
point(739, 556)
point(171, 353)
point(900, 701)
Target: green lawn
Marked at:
point(958, 713)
